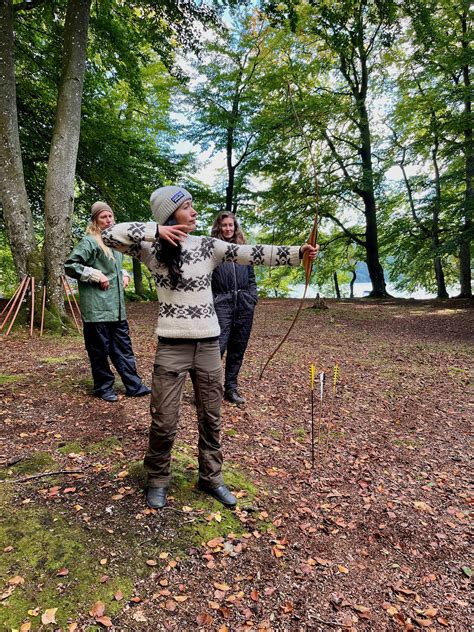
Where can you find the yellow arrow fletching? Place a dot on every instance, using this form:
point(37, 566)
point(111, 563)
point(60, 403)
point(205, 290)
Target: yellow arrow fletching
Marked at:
point(312, 373)
point(335, 375)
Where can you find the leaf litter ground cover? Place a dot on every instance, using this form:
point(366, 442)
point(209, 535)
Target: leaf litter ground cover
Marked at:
point(374, 538)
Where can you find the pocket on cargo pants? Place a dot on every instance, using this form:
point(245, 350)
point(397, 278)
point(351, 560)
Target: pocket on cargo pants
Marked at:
point(208, 400)
point(166, 392)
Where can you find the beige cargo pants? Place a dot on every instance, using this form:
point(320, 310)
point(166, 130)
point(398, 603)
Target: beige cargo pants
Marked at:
point(173, 361)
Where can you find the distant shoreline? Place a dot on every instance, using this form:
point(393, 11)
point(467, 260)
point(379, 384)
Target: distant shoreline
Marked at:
point(363, 289)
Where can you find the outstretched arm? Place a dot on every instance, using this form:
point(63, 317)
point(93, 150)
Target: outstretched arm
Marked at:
point(261, 254)
point(136, 238)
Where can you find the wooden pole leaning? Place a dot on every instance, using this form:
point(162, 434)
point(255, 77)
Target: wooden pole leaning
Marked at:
point(43, 304)
point(32, 317)
point(12, 302)
point(65, 287)
point(25, 287)
point(13, 296)
point(71, 293)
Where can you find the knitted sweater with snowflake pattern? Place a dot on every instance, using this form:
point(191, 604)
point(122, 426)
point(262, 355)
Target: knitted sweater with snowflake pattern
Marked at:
point(187, 311)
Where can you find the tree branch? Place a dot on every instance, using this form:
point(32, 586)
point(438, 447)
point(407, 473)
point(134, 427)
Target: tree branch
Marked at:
point(29, 478)
point(349, 233)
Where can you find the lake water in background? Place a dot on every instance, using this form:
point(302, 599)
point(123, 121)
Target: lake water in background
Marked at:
point(363, 289)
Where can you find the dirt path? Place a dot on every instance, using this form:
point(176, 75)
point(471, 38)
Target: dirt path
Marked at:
point(374, 538)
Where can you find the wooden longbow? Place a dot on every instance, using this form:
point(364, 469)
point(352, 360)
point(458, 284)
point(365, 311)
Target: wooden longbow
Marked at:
point(307, 263)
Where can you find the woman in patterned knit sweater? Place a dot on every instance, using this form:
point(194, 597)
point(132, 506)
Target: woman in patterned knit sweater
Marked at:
point(188, 329)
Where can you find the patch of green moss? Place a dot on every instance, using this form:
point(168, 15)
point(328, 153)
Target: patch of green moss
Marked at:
point(237, 480)
point(183, 492)
point(53, 322)
point(66, 383)
point(299, 434)
point(71, 447)
point(43, 542)
point(59, 360)
point(232, 432)
point(136, 473)
point(105, 447)
point(275, 434)
point(9, 379)
point(34, 464)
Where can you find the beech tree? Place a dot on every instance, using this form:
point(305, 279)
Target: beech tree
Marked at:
point(224, 99)
point(440, 43)
point(13, 194)
point(129, 28)
point(59, 193)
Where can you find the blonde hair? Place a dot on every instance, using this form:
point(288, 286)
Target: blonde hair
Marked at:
point(94, 230)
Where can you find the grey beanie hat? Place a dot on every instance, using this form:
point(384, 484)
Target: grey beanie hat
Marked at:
point(165, 200)
point(97, 207)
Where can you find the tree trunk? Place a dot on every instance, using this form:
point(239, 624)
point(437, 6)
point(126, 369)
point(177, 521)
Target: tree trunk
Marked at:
point(138, 277)
point(229, 191)
point(370, 208)
point(440, 282)
point(59, 195)
point(372, 251)
point(336, 286)
point(13, 195)
point(465, 247)
point(435, 241)
point(351, 284)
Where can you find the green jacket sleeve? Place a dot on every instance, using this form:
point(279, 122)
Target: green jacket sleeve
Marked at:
point(79, 264)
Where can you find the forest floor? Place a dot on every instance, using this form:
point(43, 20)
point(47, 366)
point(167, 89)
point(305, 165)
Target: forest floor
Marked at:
point(375, 537)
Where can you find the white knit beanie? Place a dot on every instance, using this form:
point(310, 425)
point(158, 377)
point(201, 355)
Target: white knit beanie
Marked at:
point(165, 200)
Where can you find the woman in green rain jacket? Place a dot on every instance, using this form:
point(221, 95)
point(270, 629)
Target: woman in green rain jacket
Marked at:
point(101, 280)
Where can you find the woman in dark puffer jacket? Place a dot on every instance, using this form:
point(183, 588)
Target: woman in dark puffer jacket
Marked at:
point(235, 296)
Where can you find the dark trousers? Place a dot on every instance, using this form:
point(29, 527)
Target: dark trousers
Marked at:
point(172, 363)
point(111, 340)
point(236, 326)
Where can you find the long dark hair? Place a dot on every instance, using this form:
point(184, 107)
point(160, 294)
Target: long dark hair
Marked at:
point(170, 256)
point(216, 231)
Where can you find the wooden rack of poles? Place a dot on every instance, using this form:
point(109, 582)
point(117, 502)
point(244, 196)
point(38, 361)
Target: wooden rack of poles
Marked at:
point(27, 283)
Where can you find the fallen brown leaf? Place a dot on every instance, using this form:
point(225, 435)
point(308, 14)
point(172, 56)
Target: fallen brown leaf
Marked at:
point(105, 621)
point(97, 609)
point(424, 623)
point(49, 616)
point(212, 544)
